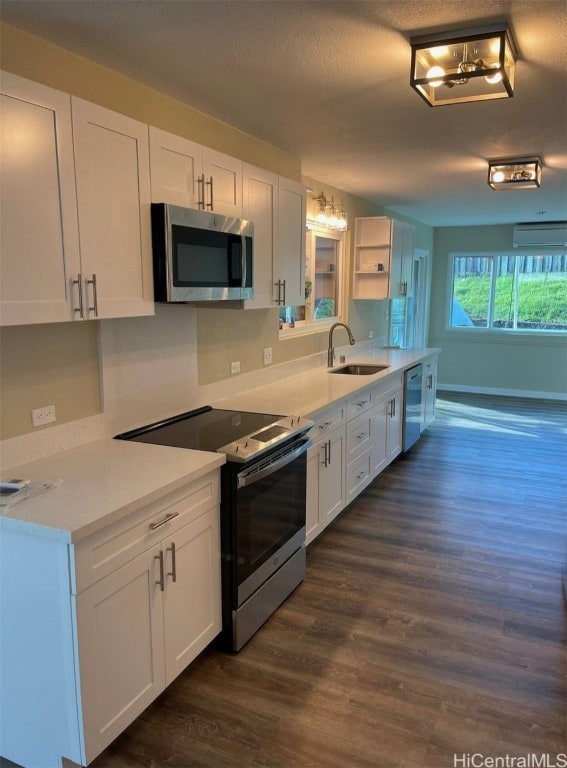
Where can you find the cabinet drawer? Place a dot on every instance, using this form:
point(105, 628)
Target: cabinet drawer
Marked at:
point(385, 388)
point(108, 549)
point(359, 436)
point(358, 475)
point(358, 404)
point(328, 422)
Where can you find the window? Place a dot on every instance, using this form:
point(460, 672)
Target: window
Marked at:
point(511, 292)
point(323, 286)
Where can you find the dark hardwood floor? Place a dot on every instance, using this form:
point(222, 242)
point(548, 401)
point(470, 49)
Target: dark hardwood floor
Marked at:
point(432, 621)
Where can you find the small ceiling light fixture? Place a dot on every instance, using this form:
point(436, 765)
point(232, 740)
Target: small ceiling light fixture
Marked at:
point(515, 173)
point(473, 64)
point(330, 214)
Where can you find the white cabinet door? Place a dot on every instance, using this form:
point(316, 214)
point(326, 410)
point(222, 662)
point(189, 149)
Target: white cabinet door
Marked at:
point(192, 596)
point(121, 649)
point(429, 391)
point(403, 236)
point(290, 270)
point(394, 416)
point(113, 194)
point(190, 175)
point(176, 166)
point(325, 482)
point(380, 435)
point(38, 207)
point(222, 183)
point(260, 205)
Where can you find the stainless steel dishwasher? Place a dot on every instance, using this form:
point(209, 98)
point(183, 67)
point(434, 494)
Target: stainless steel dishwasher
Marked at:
point(412, 406)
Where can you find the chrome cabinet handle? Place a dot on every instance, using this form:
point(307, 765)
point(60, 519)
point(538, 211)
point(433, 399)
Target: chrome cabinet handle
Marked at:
point(201, 192)
point(404, 289)
point(166, 519)
point(361, 435)
point(161, 581)
point(173, 572)
point(360, 476)
point(392, 404)
point(209, 183)
point(281, 285)
point(94, 308)
point(329, 451)
point(430, 382)
point(79, 283)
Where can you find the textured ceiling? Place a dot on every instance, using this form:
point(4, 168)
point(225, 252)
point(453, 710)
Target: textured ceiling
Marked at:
point(329, 82)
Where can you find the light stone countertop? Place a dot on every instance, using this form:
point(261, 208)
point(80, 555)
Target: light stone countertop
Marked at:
point(310, 393)
point(105, 480)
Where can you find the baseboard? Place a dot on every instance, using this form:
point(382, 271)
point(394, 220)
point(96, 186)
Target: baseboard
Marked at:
point(502, 392)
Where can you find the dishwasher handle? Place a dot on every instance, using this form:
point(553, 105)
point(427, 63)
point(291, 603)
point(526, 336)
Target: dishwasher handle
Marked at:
point(273, 463)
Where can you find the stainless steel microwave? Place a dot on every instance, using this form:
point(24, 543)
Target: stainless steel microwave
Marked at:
point(200, 256)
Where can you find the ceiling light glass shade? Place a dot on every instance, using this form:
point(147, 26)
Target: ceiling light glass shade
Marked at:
point(473, 64)
point(515, 173)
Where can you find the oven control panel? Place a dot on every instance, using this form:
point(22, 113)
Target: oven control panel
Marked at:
point(265, 439)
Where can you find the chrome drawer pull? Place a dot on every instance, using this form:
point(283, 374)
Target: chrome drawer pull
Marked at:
point(165, 520)
point(361, 435)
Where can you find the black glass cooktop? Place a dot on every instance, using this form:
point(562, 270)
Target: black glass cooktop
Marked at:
point(205, 429)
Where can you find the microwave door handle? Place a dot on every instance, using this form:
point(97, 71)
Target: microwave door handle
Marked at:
point(235, 260)
point(243, 259)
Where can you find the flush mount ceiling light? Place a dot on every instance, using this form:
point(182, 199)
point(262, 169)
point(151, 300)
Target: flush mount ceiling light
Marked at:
point(515, 173)
point(330, 214)
point(473, 64)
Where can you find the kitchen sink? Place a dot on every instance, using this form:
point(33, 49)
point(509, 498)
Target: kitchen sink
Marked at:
point(360, 370)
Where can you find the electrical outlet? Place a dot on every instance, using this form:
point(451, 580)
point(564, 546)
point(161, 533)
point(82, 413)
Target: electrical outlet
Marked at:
point(370, 334)
point(267, 356)
point(235, 367)
point(41, 416)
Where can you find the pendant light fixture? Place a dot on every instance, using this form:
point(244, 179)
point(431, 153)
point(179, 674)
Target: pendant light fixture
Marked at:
point(473, 64)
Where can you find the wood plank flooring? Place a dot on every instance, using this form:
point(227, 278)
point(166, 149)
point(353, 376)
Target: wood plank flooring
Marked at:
point(432, 621)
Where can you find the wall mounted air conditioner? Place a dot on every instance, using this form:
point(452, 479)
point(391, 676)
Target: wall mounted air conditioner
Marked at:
point(542, 235)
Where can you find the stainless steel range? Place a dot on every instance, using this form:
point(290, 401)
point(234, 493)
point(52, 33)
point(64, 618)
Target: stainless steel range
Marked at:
point(262, 505)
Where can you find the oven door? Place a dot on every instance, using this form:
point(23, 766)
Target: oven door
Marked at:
point(267, 516)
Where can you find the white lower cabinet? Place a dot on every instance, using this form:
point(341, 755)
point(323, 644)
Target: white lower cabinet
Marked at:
point(109, 622)
point(387, 415)
point(325, 472)
point(365, 434)
point(429, 391)
point(140, 626)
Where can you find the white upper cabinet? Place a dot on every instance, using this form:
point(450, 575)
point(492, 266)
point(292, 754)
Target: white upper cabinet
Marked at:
point(38, 208)
point(290, 271)
point(75, 197)
point(383, 258)
point(277, 207)
point(187, 174)
point(260, 205)
point(113, 194)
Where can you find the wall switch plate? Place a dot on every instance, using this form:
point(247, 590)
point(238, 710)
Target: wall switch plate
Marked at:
point(41, 416)
point(267, 356)
point(235, 367)
point(370, 334)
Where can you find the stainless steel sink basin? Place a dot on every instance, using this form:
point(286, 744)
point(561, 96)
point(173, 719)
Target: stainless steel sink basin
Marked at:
point(360, 369)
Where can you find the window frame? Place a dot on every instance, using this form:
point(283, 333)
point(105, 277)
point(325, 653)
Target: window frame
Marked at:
point(310, 324)
point(495, 256)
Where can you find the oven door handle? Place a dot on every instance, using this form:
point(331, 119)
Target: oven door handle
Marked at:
point(252, 475)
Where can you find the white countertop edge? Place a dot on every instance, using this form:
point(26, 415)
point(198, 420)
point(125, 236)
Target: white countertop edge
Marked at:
point(102, 482)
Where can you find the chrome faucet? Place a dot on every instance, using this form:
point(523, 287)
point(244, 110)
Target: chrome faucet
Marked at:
point(331, 349)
